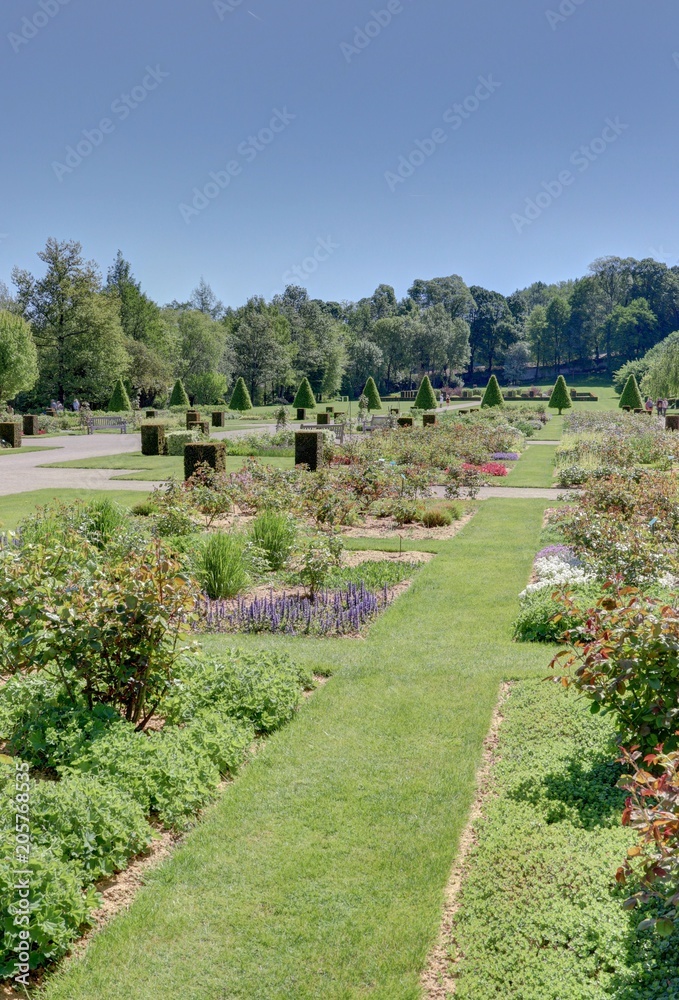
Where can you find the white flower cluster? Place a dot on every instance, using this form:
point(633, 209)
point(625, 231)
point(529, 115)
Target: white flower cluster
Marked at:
point(558, 571)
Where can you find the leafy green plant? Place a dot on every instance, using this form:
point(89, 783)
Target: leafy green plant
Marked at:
point(561, 398)
point(107, 520)
point(426, 399)
point(321, 554)
point(221, 565)
point(493, 394)
point(179, 396)
point(175, 441)
point(275, 534)
point(543, 618)
point(240, 398)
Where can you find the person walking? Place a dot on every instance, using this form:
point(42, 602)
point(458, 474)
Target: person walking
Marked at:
point(665, 407)
point(76, 405)
point(649, 406)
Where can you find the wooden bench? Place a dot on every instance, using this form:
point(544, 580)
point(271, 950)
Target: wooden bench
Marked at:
point(117, 422)
point(337, 429)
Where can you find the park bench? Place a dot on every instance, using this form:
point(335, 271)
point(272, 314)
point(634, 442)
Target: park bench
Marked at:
point(337, 429)
point(117, 422)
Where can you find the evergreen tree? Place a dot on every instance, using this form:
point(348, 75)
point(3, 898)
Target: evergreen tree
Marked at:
point(631, 396)
point(305, 399)
point(372, 395)
point(179, 397)
point(493, 394)
point(426, 400)
point(240, 400)
point(561, 397)
point(120, 401)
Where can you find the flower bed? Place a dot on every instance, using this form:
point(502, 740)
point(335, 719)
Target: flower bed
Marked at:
point(329, 612)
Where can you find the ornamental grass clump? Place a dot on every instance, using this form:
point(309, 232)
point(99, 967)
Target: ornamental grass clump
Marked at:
point(275, 534)
point(221, 565)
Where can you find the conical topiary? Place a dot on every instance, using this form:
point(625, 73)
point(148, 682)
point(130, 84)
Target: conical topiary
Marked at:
point(372, 395)
point(120, 401)
point(240, 400)
point(631, 396)
point(179, 396)
point(561, 397)
point(493, 394)
point(426, 400)
point(305, 399)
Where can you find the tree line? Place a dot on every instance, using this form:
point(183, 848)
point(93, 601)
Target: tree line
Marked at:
point(69, 332)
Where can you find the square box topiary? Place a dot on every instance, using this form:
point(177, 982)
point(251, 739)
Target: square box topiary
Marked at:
point(309, 449)
point(330, 409)
point(301, 413)
point(204, 427)
point(429, 420)
point(405, 421)
point(31, 425)
point(192, 417)
point(152, 439)
point(11, 433)
point(151, 414)
point(212, 454)
point(323, 418)
point(219, 418)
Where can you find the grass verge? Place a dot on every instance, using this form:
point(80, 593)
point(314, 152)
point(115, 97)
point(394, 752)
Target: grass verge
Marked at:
point(151, 467)
point(16, 506)
point(534, 468)
point(321, 871)
point(540, 915)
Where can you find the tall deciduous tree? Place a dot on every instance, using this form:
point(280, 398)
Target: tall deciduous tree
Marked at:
point(537, 332)
point(77, 330)
point(18, 356)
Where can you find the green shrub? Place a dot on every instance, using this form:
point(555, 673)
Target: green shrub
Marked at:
point(92, 826)
point(437, 516)
point(171, 774)
point(275, 533)
point(493, 394)
point(221, 565)
point(196, 455)
point(175, 441)
point(426, 399)
point(120, 401)
point(631, 396)
point(260, 688)
point(561, 397)
point(145, 508)
point(304, 399)
point(544, 618)
point(152, 439)
point(59, 910)
point(45, 729)
point(240, 398)
point(179, 396)
point(372, 395)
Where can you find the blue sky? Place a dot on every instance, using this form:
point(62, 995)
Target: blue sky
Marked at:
point(349, 109)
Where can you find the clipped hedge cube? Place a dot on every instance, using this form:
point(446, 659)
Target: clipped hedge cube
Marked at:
point(323, 418)
point(219, 418)
point(11, 433)
point(405, 421)
point(429, 420)
point(192, 417)
point(151, 414)
point(672, 422)
point(175, 441)
point(31, 425)
point(309, 449)
point(301, 413)
point(212, 454)
point(330, 409)
point(204, 427)
point(152, 439)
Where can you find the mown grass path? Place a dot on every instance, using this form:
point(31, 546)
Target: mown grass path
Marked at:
point(321, 871)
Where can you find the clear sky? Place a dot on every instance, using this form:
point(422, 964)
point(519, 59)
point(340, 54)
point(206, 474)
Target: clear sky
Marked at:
point(337, 101)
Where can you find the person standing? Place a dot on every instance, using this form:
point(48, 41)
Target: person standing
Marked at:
point(76, 405)
point(649, 406)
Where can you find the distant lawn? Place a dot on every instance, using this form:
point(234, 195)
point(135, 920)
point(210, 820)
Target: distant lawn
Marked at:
point(534, 468)
point(20, 451)
point(15, 507)
point(155, 468)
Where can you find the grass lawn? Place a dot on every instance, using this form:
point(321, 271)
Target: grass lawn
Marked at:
point(20, 451)
point(153, 467)
point(16, 506)
point(534, 468)
point(540, 915)
point(321, 871)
